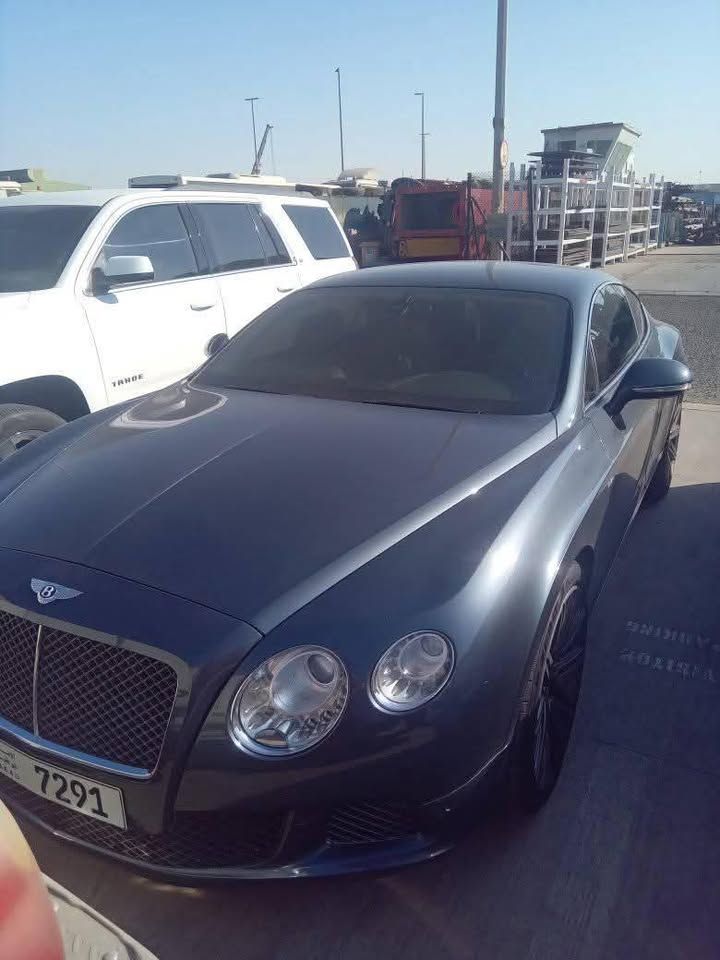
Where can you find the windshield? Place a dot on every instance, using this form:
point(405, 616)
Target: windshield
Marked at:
point(430, 211)
point(36, 242)
point(488, 351)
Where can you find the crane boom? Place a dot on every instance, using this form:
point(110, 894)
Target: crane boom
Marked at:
point(261, 149)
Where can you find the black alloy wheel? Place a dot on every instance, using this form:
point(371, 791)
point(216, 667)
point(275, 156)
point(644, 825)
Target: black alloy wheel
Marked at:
point(555, 689)
point(673, 439)
point(661, 481)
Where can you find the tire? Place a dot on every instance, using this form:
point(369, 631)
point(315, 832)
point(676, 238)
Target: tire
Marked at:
point(547, 709)
point(21, 424)
point(659, 486)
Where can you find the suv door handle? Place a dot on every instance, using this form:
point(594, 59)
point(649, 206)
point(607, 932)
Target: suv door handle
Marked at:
point(285, 289)
point(202, 306)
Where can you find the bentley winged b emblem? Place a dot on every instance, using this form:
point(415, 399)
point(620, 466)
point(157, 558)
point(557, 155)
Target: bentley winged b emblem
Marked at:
point(46, 592)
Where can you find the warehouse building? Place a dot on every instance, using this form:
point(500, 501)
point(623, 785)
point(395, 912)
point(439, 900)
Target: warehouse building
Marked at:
point(614, 142)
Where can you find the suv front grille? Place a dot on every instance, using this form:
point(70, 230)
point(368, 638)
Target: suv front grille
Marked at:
point(103, 700)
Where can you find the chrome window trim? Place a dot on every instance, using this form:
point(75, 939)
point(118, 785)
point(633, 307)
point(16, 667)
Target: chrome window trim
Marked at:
point(144, 284)
point(611, 385)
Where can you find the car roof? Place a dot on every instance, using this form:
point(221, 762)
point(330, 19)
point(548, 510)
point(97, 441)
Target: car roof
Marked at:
point(569, 282)
point(60, 198)
point(99, 197)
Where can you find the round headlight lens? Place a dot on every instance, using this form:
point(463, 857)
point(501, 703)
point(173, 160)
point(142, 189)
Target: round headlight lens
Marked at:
point(412, 671)
point(290, 702)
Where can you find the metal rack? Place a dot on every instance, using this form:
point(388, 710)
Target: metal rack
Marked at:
point(628, 217)
point(612, 219)
point(563, 216)
point(583, 218)
point(657, 189)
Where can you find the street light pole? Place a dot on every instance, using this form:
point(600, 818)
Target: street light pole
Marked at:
point(499, 118)
point(421, 94)
point(342, 145)
point(251, 101)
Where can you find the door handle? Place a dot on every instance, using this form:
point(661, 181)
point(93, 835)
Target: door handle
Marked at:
point(285, 289)
point(202, 306)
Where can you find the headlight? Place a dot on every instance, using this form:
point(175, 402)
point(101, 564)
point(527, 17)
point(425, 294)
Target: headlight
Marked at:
point(290, 702)
point(412, 671)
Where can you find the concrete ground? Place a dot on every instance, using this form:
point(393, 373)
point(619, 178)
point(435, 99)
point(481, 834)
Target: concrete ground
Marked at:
point(624, 862)
point(676, 269)
point(681, 285)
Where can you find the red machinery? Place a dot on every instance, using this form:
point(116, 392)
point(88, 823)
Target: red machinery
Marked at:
point(436, 220)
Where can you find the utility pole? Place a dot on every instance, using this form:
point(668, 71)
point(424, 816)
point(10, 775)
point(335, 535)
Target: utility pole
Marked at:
point(421, 94)
point(342, 145)
point(499, 148)
point(251, 101)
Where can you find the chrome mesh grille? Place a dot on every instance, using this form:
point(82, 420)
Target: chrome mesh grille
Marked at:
point(18, 639)
point(100, 699)
point(104, 700)
point(371, 822)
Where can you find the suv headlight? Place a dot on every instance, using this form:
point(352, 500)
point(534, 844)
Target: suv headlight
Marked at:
point(412, 671)
point(290, 702)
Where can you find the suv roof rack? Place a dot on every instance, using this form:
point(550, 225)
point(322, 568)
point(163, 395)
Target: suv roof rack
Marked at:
point(243, 184)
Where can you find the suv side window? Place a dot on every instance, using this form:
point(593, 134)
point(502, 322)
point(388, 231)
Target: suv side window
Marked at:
point(318, 228)
point(158, 232)
point(613, 331)
point(230, 235)
point(275, 249)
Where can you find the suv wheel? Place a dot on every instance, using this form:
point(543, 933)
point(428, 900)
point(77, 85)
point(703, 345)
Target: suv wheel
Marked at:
point(21, 424)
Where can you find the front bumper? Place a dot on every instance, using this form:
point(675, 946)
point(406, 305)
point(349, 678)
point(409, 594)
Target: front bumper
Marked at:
point(385, 793)
point(352, 838)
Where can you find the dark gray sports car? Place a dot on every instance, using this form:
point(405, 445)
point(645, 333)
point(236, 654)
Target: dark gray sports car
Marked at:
point(297, 613)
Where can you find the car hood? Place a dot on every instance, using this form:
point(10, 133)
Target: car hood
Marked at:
point(249, 503)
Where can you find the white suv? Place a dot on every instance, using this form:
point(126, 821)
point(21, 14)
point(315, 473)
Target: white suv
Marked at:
point(106, 295)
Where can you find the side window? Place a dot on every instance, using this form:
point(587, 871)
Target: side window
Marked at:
point(275, 249)
point(591, 375)
point(613, 331)
point(318, 228)
point(229, 233)
point(158, 232)
point(637, 310)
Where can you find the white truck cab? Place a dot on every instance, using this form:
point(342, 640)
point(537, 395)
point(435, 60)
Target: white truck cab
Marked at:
point(109, 294)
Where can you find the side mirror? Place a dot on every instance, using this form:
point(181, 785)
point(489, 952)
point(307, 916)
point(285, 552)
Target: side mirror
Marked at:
point(216, 343)
point(120, 270)
point(653, 378)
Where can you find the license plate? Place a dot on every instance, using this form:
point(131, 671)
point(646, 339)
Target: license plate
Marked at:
point(88, 797)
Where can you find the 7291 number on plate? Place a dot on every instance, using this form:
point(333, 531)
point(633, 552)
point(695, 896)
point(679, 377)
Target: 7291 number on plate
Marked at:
point(60, 786)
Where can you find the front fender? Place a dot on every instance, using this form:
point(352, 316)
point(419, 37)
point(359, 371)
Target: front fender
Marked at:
point(47, 334)
point(481, 573)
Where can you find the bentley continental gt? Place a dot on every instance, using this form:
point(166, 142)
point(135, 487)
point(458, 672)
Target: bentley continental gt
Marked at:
point(299, 612)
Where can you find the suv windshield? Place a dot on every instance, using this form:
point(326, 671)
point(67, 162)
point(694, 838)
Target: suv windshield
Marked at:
point(36, 242)
point(488, 351)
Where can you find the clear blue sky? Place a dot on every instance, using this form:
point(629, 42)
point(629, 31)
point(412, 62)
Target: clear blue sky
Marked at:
point(96, 90)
